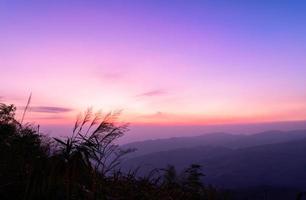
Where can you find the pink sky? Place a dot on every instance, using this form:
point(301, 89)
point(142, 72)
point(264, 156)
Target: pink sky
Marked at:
point(161, 63)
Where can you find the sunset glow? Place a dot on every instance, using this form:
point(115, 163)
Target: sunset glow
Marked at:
point(161, 63)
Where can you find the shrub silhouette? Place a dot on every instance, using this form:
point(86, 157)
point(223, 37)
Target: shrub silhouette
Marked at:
point(22, 152)
point(85, 165)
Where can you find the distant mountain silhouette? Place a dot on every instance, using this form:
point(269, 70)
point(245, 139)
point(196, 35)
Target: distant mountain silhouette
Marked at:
point(215, 139)
point(267, 137)
point(151, 146)
point(272, 158)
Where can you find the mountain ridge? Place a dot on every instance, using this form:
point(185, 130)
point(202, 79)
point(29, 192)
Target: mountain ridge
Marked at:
point(214, 139)
point(280, 164)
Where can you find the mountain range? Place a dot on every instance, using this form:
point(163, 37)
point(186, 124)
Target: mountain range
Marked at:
point(272, 158)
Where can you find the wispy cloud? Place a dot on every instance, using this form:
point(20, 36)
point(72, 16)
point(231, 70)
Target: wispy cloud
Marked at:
point(155, 115)
point(49, 109)
point(109, 73)
point(52, 117)
point(113, 75)
point(152, 93)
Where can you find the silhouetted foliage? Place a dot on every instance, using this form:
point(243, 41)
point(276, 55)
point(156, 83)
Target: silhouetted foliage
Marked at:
point(170, 177)
point(22, 153)
point(85, 165)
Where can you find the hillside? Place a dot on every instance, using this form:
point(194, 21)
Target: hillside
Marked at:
point(151, 146)
point(215, 139)
point(281, 164)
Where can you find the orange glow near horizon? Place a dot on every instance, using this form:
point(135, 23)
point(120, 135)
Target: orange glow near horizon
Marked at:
point(169, 119)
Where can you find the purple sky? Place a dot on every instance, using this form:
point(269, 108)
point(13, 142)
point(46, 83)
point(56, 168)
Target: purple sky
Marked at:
point(162, 62)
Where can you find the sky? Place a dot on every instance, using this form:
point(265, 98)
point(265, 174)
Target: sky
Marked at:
point(169, 62)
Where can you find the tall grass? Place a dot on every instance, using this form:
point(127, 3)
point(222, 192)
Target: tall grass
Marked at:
point(84, 165)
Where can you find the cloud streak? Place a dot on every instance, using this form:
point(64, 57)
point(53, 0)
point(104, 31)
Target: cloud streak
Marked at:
point(113, 75)
point(49, 109)
point(152, 93)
